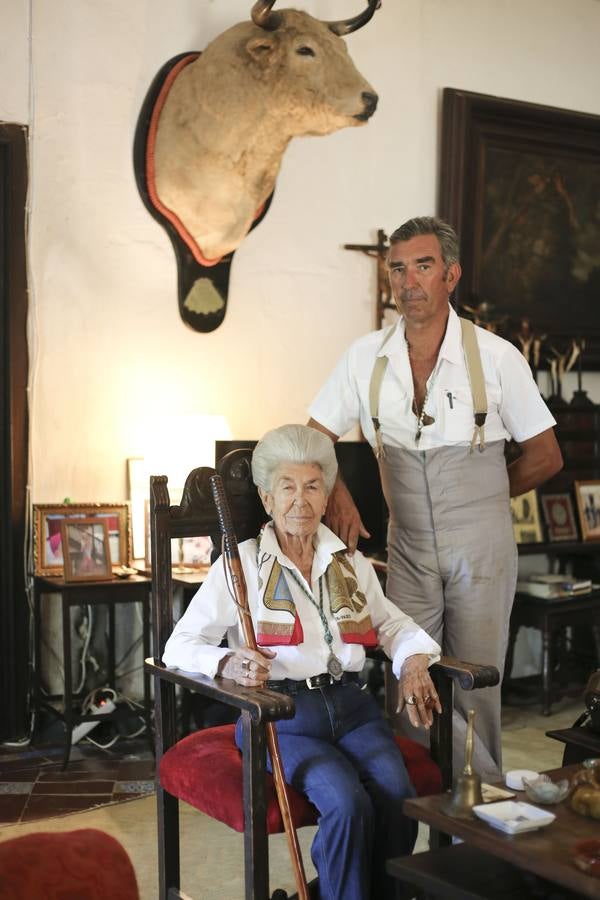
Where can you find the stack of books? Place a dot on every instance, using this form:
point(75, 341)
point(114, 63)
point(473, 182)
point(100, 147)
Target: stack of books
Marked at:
point(553, 585)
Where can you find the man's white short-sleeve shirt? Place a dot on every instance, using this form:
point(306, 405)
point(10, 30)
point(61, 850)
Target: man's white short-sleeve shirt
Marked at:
point(515, 408)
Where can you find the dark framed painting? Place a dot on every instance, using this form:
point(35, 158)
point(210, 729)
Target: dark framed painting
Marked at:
point(520, 183)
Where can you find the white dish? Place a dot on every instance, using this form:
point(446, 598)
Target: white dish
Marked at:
point(513, 817)
point(514, 778)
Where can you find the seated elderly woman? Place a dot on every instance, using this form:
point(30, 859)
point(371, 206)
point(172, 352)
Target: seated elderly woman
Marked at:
point(315, 610)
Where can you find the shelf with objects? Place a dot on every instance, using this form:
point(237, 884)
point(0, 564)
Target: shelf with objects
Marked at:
point(563, 528)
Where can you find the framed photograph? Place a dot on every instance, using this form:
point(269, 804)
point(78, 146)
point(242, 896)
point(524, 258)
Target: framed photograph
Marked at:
point(588, 505)
point(526, 518)
point(188, 554)
point(86, 549)
point(520, 183)
point(47, 538)
point(559, 517)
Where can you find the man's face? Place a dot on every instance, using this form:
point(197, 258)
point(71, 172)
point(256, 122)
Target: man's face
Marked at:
point(420, 283)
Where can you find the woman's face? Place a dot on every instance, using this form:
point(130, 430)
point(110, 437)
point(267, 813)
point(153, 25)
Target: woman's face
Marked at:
point(297, 499)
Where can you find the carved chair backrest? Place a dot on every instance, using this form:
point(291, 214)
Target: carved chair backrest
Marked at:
point(196, 516)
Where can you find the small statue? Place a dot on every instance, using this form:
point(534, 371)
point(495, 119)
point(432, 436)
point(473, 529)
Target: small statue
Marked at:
point(530, 344)
point(483, 316)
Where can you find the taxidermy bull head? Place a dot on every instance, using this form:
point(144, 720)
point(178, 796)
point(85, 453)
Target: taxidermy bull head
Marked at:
point(214, 128)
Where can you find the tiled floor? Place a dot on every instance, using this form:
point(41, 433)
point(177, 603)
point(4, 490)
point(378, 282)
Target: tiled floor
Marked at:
point(33, 785)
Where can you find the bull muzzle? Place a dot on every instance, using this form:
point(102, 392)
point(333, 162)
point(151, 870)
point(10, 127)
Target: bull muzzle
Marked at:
point(264, 17)
point(370, 101)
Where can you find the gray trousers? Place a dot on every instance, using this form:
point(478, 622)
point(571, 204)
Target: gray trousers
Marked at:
point(452, 566)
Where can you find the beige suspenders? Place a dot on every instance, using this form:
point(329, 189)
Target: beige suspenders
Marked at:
point(476, 380)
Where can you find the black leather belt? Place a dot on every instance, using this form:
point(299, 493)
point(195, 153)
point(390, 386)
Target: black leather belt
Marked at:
point(289, 686)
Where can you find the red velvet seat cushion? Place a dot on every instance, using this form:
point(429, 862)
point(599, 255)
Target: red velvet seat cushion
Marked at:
point(68, 865)
point(205, 770)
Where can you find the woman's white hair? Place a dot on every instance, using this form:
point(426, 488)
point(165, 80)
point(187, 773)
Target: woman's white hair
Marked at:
point(293, 444)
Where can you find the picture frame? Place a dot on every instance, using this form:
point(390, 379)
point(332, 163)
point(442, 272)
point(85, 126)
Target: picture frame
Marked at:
point(559, 517)
point(520, 183)
point(588, 506)
point(47, 538)
point(86, 549)
point(525, 513)
point(188, 554)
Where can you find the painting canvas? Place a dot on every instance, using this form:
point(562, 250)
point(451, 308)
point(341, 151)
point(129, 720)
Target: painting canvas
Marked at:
point(521, 184)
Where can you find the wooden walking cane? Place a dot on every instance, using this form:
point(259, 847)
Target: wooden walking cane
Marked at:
point(240, 590)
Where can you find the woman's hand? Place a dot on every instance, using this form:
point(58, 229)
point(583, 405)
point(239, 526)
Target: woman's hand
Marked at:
point(248, 667)
point(416, 691)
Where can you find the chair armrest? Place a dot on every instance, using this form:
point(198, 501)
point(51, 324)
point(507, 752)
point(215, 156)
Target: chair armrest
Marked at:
point(470, 676)
point(262, 704)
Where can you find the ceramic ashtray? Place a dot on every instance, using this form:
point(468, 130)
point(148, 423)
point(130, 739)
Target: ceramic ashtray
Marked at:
point(543, 790)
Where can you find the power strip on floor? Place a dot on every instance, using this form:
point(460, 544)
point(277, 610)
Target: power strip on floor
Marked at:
point(103, 707)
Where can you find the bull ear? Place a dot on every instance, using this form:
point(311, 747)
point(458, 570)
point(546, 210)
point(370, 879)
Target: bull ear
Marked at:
point(263, 50)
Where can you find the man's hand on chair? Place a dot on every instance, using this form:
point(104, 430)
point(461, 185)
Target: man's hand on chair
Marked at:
point(248, 667)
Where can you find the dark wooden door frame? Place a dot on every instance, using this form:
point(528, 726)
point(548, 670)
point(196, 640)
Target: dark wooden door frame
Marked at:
point(14, 434)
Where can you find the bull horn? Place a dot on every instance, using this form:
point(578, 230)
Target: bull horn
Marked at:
point(263, 17)
point(345, 26)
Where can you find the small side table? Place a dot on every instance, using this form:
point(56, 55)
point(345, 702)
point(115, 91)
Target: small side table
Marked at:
point(549, 616)
point(135, 589)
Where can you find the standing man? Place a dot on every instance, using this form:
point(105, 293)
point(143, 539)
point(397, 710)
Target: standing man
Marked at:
point(437, 404)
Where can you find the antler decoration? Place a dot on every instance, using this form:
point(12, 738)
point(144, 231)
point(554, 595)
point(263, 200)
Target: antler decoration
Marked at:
point(264, 18)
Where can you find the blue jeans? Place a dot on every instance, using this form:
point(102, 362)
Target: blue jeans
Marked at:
point(339, 751)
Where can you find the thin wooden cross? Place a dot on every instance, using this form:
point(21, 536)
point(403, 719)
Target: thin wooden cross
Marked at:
point(378, 251)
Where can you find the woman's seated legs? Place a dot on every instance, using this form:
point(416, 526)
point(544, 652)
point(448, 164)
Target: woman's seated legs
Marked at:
point(340, 753)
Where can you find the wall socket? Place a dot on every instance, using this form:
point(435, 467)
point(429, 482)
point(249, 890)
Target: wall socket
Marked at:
point(103, 708)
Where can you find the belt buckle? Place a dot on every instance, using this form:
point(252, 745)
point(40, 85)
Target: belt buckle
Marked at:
point(314, 687)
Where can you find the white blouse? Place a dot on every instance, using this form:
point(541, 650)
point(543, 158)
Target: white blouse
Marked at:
point(212, 615)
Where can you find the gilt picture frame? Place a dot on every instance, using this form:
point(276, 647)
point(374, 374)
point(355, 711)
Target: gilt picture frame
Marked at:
point(520, 183)
point(47, 539)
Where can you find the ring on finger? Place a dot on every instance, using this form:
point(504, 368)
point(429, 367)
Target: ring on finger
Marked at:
point(411, 701)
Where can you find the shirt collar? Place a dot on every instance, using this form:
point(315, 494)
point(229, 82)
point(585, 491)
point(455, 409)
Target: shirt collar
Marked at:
point(326, 544)
point(451, 348)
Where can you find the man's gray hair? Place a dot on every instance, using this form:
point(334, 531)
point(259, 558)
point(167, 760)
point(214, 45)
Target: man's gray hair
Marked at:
point(293, 444)
point(445, 234)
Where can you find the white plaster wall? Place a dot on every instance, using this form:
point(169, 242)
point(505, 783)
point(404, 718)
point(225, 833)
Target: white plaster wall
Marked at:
point(109, 348)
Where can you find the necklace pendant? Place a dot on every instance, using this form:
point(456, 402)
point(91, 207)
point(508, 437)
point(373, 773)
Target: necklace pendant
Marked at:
point(334, 667)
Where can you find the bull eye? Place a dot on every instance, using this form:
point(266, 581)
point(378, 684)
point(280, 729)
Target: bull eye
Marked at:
point(306, 51)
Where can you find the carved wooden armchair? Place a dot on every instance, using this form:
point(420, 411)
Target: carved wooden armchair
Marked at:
point(206, 769)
